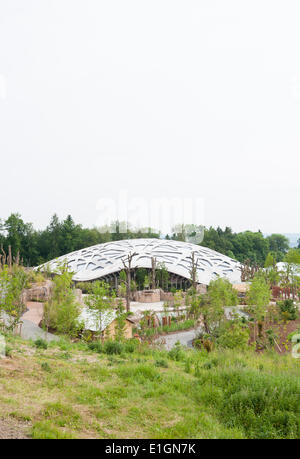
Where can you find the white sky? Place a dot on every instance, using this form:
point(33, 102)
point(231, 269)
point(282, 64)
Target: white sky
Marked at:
point(162, 98)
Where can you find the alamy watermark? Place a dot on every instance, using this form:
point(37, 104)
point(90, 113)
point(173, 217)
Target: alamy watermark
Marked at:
point(162, 214)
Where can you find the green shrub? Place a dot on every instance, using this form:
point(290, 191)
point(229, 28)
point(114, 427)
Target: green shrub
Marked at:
point(86, 287)
point(62, 310)
point(234, 334)
point(96, 346)
point(176, 353)
point(40, 343)
point(263, 405)
point(161, 363)
point(113, 347)
point(187, 366)
point(131, 345)
point(8, 351)
point(288, 309)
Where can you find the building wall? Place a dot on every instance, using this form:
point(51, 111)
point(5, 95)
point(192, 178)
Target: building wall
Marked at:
point(147, 296)
point(110, 332)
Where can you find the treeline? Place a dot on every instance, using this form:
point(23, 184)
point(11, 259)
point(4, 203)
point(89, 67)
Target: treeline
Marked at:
point(63, 236)
point(58, 238)
point(246, 245)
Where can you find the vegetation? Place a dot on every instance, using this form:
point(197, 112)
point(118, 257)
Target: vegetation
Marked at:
point(220, 389)
point(246, 245)
point(145, 392)
point(211, 306)
point(259, 295)
point(61, 312)
point(61, 237)
point(12, 282)
point(100, 304)
point(174, 326)
point(288, 309)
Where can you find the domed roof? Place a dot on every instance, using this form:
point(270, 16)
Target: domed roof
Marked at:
point(103, 259)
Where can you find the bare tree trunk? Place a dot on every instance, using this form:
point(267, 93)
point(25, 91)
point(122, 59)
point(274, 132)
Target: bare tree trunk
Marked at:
point(128, 290)
point(127, 268)
point(9, 261)
point(153, 280)
point(193, 271)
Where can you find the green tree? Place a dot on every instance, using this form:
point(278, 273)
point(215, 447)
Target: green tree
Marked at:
point(12, 282)
point(278, 245)
point(259, 295)
point(221, 293)
point(293, 257)
point(61, 312)
point(178, 301)
point(234, 335)
point(270, 261)
point(120, 321)
point(100, 303)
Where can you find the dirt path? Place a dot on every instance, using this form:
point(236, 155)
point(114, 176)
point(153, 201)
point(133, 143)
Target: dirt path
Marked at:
point(12, 429)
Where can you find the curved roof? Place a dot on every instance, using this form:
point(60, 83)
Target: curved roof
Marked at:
point(104, 259)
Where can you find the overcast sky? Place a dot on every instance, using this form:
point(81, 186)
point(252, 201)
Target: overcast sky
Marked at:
point(158, 99)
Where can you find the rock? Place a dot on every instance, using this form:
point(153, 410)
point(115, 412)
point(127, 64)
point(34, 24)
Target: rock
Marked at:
point(38, 292)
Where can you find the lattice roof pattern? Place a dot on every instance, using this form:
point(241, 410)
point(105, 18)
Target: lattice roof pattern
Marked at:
point(104, 259)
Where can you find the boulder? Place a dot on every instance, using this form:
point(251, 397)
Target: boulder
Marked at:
point(38, 292)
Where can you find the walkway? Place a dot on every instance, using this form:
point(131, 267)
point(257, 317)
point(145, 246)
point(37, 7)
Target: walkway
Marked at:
point(184, 337)
point(30, 323)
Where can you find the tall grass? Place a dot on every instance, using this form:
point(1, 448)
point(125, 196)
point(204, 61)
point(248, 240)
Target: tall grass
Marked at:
point(146, 392)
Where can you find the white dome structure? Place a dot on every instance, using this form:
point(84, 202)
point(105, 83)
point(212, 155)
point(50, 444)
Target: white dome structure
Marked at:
point(104, 259)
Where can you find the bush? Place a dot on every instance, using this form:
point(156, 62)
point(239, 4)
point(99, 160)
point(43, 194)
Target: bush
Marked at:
point(96, 346)
point(263, 405)
point(113, 347)
point(234, 335)
point(288, 309)
point(8, 351)
point(41, 343)
point(62, 311)
point(161, 363)
point(187, 366)
point(130, 346)
point(85, 287)
point(176, 353)
point(12, 282)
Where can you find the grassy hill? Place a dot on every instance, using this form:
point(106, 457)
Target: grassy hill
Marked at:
point(132, 391)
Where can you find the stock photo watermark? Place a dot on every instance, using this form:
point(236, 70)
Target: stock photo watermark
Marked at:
point(163, 214)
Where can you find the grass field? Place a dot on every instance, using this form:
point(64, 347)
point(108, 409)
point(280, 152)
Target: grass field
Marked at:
point(71, 391)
